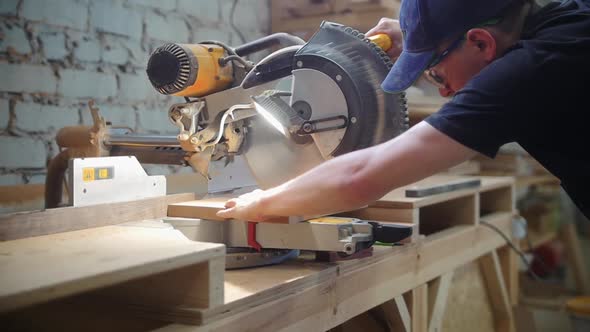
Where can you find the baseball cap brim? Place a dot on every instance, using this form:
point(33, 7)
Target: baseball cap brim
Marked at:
point(406, 70)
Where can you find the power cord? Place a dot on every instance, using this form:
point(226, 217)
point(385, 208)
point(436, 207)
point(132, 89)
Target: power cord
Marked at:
point(520, 253)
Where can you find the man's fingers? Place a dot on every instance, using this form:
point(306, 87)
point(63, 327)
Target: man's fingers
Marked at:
point(230, 204)
point(227, 213)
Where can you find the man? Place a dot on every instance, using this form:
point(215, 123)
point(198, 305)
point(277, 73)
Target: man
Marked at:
point(515, 72)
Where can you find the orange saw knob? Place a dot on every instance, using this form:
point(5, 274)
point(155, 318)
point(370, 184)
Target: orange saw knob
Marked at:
point(189, 70)
point(382, 40)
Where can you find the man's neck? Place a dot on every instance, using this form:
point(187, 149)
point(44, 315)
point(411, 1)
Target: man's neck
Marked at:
point(506, 40)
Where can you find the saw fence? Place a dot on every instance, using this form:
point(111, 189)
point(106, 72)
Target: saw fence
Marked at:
point(117, 267)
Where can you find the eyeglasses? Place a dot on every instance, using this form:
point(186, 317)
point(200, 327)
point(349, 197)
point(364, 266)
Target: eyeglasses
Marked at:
point(431, 74)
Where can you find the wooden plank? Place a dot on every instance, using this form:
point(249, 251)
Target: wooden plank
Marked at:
point(397, 199)
point(384, 214)
point(417, 301)
point(396, 314)
point(497, 292)
point(500, 199)
point(423, 190)
point(438, 291)
point(21, 198)
point(459, 211)
point(326, 298)
point(44, 268)
point(36, 223)
point(509, 262)
point(207, 209)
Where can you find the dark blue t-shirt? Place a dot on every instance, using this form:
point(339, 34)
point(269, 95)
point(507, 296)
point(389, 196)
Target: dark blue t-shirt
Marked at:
point(536, 94)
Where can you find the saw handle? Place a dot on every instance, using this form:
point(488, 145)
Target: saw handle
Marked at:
point(382, 40)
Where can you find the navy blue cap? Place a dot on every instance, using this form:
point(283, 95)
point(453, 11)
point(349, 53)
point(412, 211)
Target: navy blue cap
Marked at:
point(425, 24)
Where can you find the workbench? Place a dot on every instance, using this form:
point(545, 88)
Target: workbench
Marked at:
point(408, 285)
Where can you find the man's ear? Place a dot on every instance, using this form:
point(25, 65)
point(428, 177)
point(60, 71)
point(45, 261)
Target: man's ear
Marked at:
point(484, 41)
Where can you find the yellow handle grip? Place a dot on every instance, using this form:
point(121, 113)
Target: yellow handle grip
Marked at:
point(382, 40)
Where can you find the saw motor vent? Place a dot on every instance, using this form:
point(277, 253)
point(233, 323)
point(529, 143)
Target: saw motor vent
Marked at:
point(172, 68)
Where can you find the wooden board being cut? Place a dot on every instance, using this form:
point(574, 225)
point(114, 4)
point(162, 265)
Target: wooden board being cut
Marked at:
point(207, 209)
point(44, 268)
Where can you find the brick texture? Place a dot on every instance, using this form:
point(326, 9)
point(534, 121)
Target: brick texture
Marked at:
point(67, 13)
point(4, 114)
point(45, 118)
point(54, 45)
point(109, 16)
point(55, 55)
point(87, 84)
point(22, 152)
point(27, 78)
point(15, 40)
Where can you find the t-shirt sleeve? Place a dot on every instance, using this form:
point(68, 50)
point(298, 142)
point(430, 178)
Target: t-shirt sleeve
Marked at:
point(485, 114)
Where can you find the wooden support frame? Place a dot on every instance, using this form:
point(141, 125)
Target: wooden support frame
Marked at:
point(335, 294)
point(438, 291)
point(320, 297)
point(497, 291)
point(417, 302)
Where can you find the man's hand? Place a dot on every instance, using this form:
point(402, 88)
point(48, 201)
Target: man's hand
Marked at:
point(245, 207)
point(391, 28)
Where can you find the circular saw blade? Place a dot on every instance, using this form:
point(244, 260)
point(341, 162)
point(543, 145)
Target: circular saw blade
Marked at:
point(357, 68)
point(274, 158)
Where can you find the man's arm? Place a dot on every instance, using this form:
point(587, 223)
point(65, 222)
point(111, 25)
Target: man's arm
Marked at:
point(355, 179)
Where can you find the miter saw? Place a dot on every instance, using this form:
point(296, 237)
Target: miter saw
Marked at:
point(299, 106)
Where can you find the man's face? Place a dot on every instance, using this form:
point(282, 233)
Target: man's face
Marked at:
point(459, 66)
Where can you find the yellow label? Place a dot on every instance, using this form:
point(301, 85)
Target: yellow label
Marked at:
point(103, 173)
point(88, 174)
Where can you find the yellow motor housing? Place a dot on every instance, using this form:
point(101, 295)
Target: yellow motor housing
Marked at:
point(189, 70)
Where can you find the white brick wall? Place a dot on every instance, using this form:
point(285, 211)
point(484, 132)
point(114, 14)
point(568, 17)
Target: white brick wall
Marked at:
point(15, 40)
point(11, 179)
point(88, 50)
point(54, 45)
point(55, 55)
point(66, 13)
point(33, 117)
point(120, 116)
point(208, 11)
point(109, 16)
point(156, 120)
point(164, 5)
point(4, 114)
point(87, 84)
point(27, 78)
point(22, 152)
point(167, 28)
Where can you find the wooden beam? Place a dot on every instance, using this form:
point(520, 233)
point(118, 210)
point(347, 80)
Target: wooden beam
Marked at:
point(497, 292)
point(36, 223)
point(396, 314)
point(438, 291)
point(417, 301)
point(509, 262)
